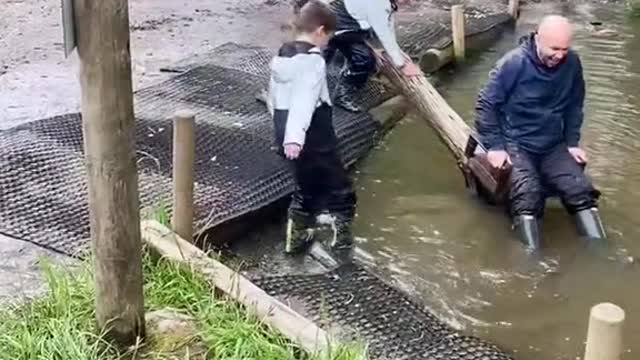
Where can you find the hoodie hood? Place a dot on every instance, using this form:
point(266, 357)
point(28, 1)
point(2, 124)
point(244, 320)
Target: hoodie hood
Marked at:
point(286, 65)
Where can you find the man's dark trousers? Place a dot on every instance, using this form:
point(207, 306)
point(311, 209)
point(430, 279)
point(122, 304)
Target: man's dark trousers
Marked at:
point(534, 176)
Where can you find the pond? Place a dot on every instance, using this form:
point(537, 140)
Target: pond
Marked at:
point(460, 255)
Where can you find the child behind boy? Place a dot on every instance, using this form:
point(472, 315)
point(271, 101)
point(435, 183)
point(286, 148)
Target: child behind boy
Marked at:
point(304, 133)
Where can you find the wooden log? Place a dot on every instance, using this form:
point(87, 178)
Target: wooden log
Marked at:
point(109, 143)
point(452, 130)
point(266, 308)
point(434, 59)
point(604, 336)
point(183, 172)
point(457, 28)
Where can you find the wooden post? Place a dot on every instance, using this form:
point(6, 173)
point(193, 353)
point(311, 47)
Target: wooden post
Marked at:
point(604, 337)
point(109, 143)
point(183, 171)
point(457, 27)
point(513, 8)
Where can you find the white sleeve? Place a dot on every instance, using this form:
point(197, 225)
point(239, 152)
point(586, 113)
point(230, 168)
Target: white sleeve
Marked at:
point(382, 25)
point(305, 92)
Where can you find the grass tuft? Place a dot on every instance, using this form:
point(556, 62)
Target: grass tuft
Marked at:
point(60, 325)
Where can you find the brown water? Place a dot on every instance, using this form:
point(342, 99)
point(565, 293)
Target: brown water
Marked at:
point(460, 255)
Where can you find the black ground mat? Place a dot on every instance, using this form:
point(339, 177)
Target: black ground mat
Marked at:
point(43, 186)
point(366, 308)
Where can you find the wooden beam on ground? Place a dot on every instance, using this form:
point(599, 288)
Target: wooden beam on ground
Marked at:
point(457, 29)
point(266, 308)
point(184, 148)
point(102, 34)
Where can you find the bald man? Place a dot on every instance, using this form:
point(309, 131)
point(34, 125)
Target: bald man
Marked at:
point(529, 115)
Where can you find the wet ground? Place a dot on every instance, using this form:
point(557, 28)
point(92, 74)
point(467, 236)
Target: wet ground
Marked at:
point(36, 80)
point(459, 254)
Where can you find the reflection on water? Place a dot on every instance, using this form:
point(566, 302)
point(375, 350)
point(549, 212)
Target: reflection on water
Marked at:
point(459, 254)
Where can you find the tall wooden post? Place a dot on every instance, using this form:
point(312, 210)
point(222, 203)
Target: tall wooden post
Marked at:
point(102, 35)
point(183, 163)
point(457, 28)
point(604, 336)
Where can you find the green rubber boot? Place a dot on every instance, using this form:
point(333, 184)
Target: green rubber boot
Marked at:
point(300, 233)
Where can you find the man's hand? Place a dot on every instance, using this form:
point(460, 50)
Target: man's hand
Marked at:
point(498, 158)
point(292, 151)
point(578, 154)
point(410, 69)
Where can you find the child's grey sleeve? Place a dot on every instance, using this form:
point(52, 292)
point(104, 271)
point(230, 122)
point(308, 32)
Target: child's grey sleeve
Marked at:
point(305, 93)
point(383, 27)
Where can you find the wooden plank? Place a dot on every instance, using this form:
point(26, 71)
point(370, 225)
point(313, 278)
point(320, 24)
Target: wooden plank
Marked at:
point(256, 301)
point(604, 335)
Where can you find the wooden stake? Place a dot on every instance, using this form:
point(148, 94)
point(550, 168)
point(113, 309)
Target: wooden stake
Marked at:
point(109, 143)
point(513, 8)
point(183, 172)
point(457, 27)
point(604, 337)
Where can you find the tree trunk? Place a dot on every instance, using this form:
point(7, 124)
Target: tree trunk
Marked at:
point(102, 29)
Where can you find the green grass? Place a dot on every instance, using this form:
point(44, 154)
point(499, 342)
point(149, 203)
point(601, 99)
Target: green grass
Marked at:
point(60, 325)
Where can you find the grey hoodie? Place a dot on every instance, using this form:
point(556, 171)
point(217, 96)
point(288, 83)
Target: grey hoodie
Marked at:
point(298, 85)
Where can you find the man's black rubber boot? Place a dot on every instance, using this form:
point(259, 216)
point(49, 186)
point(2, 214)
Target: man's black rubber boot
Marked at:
point(527, 227)
point(589, 224)
point(344, 96)
point(299, 234)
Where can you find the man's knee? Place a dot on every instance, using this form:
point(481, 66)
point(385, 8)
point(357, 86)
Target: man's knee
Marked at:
point(525, 194)
point(566, 177)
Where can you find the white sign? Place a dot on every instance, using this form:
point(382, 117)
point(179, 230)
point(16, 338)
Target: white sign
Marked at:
point(68, 27)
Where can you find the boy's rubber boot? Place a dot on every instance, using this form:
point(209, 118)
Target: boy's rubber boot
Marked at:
point(528, 231)
point(299, 234)
point(344, 96)
point(342, 241)
point(589, 224)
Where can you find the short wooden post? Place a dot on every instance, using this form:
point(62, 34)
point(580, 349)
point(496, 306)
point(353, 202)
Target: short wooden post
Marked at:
point(183, 172)
point(102, 34)
point(513, 8)
point(604, 337)
point(457, 27)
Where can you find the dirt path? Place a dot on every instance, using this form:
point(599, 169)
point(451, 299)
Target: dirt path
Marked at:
point(36, 80)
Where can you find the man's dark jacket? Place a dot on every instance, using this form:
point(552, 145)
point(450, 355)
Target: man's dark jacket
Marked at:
point(530, 105)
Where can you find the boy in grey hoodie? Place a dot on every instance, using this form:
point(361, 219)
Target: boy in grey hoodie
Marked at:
point(299, 102)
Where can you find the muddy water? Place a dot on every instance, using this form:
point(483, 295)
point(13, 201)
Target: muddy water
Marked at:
point(459, 254)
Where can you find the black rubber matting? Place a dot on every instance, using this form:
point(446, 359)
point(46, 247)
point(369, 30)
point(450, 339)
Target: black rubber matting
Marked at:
point(366, 308)
point(42, 182)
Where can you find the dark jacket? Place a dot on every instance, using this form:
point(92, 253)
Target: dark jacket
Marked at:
point(530, 105)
